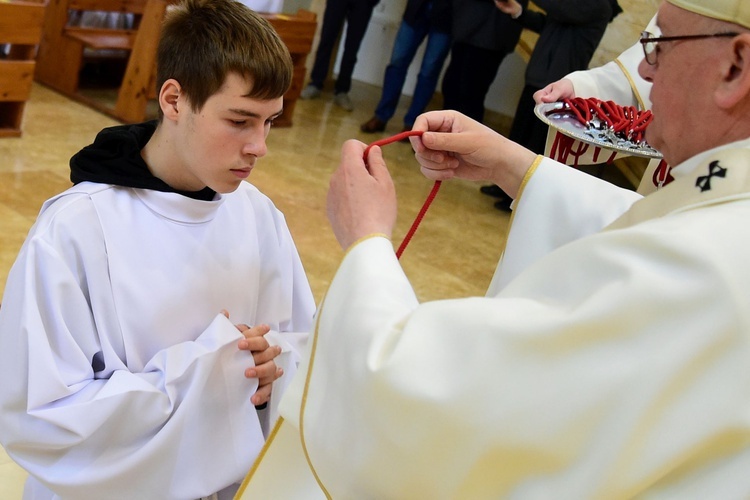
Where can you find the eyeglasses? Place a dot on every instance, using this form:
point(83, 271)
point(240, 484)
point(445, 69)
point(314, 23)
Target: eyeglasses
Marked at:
point(649, 42)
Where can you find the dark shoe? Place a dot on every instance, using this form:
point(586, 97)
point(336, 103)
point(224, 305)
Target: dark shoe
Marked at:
point(373, 125)
point(504, 204)
point(493, 190)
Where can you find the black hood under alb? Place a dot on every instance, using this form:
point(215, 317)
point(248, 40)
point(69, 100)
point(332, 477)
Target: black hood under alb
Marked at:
point(115, 158)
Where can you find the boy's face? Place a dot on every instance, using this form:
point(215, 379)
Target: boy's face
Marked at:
point(222, 141)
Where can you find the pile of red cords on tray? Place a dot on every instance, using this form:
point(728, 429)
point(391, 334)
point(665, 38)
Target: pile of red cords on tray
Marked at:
point(626, 122)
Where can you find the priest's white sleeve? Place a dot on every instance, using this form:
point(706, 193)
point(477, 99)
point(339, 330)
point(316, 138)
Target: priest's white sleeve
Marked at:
point(556, 205)
point(571, 383)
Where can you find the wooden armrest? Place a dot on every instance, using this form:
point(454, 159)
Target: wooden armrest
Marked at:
point(98, 38)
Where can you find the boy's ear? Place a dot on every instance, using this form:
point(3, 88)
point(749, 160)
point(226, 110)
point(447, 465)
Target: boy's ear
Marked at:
point(170, 98)
point(735, 84)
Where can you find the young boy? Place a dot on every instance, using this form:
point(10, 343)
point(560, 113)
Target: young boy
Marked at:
point(122, 375)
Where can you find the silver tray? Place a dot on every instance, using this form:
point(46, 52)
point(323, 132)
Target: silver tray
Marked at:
point(553, 114)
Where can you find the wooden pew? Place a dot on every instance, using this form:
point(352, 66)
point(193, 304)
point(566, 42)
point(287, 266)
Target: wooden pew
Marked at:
point(21, 27)
point(60, 56)
point(297, 31)
point(61, 53)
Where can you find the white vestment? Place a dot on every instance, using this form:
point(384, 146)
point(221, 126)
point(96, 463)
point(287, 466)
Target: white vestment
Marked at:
point(121, 379)
point(616, 366)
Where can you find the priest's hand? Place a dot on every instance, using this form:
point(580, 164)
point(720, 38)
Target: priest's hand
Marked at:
point(555, 91)
point(361, 197)
point(454, 145)
point(265, 369)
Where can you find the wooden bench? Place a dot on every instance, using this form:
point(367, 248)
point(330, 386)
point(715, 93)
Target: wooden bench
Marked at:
point(63, 49)
point(61, 53)
point(297, 32)
point(20, 33)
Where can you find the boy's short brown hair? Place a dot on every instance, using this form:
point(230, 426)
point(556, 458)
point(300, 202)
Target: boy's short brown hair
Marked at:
point(204, 40)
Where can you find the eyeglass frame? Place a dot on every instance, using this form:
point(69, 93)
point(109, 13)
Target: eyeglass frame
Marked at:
point(649, 38)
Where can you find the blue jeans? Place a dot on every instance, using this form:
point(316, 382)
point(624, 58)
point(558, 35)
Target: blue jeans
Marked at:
point(408, 40)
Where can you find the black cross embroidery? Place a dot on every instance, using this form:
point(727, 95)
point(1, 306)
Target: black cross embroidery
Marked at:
point(714, 170)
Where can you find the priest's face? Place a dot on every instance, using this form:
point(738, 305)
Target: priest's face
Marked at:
point(222, 141)
point(684, 78)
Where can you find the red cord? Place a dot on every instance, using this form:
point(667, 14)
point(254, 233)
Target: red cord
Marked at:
point(626, 122)
point(430, 197)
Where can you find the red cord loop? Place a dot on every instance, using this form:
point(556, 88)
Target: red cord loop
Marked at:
point(626, 122)
point(427, 202)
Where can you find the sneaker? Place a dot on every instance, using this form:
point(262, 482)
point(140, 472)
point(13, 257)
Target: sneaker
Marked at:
point(310, 92)
point(373, 125)
point(342, 101)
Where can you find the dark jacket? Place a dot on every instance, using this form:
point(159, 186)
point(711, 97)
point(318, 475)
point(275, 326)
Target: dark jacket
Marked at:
point(569, 33)
point(480, 24)
point(439, 12)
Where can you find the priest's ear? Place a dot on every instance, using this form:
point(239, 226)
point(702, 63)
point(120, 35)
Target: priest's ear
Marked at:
point(735, 84)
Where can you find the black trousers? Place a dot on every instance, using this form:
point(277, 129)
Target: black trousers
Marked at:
point(357, 14)
point(467, 80)
point(528, 130)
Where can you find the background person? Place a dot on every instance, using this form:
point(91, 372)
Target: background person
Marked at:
point(430, 19)
point(482, 37)
point(357, 14)
point(569, 33)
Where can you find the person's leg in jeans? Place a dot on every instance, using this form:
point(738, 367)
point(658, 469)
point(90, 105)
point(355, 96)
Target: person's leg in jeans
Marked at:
point(358, 18)
point(438, 46)
point(408, 40)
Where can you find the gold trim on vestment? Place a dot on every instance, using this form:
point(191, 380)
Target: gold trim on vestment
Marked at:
point(524, 181)
point(684, 192)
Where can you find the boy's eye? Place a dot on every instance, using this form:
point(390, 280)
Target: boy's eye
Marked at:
point(238, 123)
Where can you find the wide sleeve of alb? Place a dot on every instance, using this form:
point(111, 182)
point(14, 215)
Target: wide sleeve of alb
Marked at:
point(182, 424)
